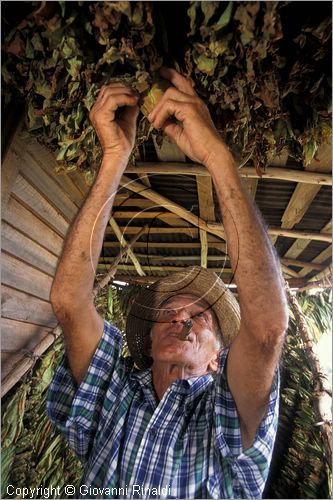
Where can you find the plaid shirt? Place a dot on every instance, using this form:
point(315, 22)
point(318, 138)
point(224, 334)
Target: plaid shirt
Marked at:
point(188, 445)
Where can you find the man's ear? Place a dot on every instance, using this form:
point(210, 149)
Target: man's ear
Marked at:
point(214, 362)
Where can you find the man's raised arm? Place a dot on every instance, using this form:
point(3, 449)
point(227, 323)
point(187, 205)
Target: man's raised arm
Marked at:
point(71, 294)
point(255, 352)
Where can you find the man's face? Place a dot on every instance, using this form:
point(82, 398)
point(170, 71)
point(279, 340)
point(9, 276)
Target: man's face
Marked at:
point(199, 351)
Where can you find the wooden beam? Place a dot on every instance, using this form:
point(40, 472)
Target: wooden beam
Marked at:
point(322, 257)
point(212, 258)
point(300, 263)
point(300, 245)
point(124, 267)
point(123, 243)
point(285, 174)
point(289, 272)
point(141, 244)
point(251, 186)
point(289, 233)
point(169, 205)
point(189, 231)
point(206, 212)
point(298, 204)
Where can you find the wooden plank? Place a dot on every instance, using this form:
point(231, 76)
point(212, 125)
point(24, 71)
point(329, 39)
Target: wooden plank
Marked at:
point(131, 214)
point(126, 230)
point(22, 276)
point(79, 181)
point(133, 202)
point(284, 174)
point(27, 250)
point(322, 257)
point(143, 244)
point(298, 205)
point(205, 197)
point(251, 187)
point(206, 212)
point(124, 267)
point(16, 335)
point(9, 172)
point(204, 248)
point(23, 220)
point(299, 245)
point(40, 206)
point(67, 185)
point(289, 233)
point(300, 263)
point(46, 161)
point(21, 306)
point(123, 243)
point(46, 185)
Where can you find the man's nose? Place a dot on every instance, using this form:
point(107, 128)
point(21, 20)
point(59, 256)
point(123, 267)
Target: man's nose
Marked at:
point(181, 316)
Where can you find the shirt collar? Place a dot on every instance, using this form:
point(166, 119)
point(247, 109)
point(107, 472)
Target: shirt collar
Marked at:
point(190, 388)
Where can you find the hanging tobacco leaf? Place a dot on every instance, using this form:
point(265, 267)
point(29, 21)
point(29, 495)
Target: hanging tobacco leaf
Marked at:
point(262, 67)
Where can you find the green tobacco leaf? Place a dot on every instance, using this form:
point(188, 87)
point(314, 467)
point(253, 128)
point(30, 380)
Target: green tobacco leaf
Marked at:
point(208, 9)
point(192, 14)
point(205, 64)
point(309, 151)
point(225, 17)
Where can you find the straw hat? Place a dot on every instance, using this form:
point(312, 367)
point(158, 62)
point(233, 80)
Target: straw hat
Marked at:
point(197, 281)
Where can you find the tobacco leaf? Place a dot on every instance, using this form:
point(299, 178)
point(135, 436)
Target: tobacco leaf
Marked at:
point(265, 78)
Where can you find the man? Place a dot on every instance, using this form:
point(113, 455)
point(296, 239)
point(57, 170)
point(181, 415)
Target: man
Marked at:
point(196, 416)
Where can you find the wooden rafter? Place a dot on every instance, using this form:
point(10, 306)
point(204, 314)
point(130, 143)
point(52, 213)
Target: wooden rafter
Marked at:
point(206, 212)
point(299, 245)
point(285, 174)
point(173, 207)
point(117, 231)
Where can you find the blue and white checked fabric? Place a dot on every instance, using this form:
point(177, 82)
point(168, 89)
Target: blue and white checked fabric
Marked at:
point(188, 445)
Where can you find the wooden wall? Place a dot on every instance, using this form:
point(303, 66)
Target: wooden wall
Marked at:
point(37, 208)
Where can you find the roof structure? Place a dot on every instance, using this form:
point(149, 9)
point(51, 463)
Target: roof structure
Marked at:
point(175, 201)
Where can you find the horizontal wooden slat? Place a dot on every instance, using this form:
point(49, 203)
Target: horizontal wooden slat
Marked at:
point(23, 307)
point(21, 276)
point(31, 171)
point(19, 245)
point(78, 179)
point(42, 157)
point(38, 204)
point(22, 219)
point(285, 174)
point(9, 172)
point(17, 335)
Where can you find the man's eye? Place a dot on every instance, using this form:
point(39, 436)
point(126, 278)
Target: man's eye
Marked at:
point(201, 315)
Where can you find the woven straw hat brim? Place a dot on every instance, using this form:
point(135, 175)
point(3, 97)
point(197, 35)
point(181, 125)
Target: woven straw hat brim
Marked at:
point(197, 281)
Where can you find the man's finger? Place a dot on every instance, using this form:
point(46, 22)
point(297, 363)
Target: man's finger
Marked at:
point(179, 81)
point(172, 129)
point(171, 94)
point(170, 108)
point(112, 101)
point(114, 88)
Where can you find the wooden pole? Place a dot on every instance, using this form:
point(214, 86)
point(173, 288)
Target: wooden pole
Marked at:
point(285, 174)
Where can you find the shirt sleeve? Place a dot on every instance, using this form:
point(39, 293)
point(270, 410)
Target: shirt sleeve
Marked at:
point(77, 411)
point(249, 468)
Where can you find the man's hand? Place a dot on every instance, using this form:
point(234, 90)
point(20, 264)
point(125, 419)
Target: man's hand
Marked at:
point(114, 117)
point(185, 118)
